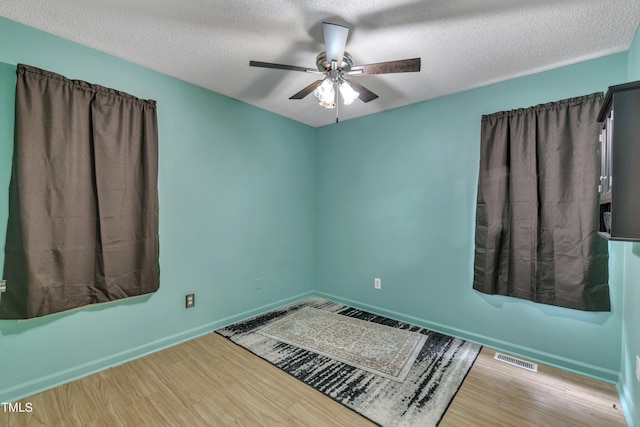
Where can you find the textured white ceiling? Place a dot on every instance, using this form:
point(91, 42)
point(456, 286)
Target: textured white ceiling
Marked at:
point(463, 44)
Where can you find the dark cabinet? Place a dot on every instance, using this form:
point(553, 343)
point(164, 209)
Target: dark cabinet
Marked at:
point(619, 185)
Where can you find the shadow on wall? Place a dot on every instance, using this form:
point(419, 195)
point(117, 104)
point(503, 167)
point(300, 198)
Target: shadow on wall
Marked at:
point(593, 317)
point(636, 249)
point(13, 327)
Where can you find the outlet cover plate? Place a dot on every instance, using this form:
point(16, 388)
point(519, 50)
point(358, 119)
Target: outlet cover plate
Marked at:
point(189, 300)
point(3, 286)
point(637, 367)
point(377, 283)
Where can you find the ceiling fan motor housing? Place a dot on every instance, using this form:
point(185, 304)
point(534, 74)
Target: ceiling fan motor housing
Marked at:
point(324, 65)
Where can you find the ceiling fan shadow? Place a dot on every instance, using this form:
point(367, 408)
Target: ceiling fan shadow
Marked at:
point(420, 12)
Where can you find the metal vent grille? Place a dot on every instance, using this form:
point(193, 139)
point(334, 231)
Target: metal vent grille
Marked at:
point(524, 364)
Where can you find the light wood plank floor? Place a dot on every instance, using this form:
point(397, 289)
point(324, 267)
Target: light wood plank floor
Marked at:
point(210, 381)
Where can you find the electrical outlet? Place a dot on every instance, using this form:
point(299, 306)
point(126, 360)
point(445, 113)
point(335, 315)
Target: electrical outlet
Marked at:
point(190, 300)
point(259, 283)
point(3, 286)
point(377, 283)
point(637, 367)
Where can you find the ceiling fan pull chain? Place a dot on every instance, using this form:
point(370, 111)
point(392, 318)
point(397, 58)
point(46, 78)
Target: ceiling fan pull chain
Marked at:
point(337, 103)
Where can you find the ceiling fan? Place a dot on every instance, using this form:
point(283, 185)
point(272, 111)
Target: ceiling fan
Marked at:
point(336, 64)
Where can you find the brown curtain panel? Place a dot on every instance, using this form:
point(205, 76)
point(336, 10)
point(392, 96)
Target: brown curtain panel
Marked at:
point(83, 200)
point(537, 210)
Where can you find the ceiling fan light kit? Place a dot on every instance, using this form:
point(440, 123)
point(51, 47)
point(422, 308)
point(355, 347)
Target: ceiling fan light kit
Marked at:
point(334, 63)
point(348, 93)
point(327, 90)
point(326, 93)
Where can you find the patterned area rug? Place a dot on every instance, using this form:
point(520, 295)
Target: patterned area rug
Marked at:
point(420, 400)
point(383, 350)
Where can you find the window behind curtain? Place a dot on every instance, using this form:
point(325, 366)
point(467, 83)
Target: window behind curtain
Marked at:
point(83, 200)
point(537, 209)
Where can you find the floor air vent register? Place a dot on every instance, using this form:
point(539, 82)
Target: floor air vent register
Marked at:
point(524, 364)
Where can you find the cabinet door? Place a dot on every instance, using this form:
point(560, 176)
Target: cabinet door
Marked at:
point(606, 167)
point(603, 160)
point(610, 151)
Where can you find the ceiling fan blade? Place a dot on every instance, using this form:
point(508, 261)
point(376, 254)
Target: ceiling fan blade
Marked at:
point(401, 66)
point(335, 40)
point(307, 90)
point(365, 94)
point(281, 66)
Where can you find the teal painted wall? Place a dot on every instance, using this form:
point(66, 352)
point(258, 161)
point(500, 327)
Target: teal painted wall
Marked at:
point(629, 386)
point(237, 203)
point(396, 195)
point(245, 194)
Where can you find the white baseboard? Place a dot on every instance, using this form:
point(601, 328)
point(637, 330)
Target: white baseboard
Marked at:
point(58, 378)
point(566, 364)
point(55, 379)
point(631, 412)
